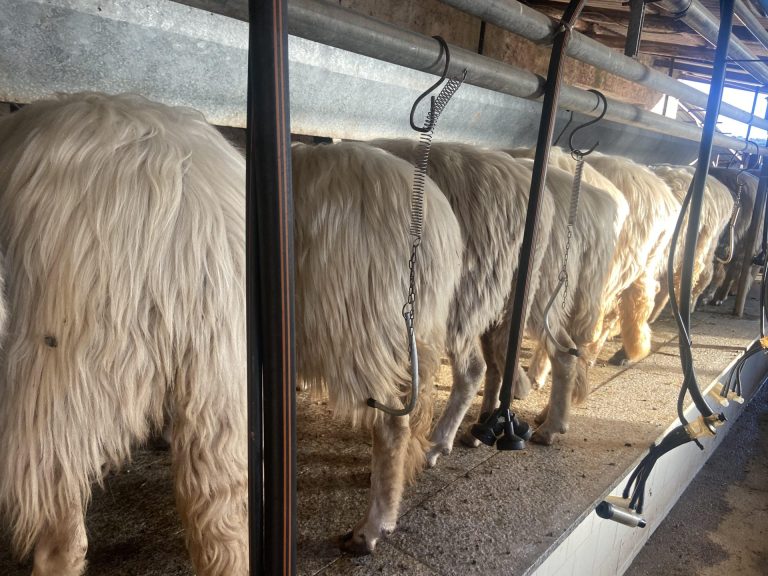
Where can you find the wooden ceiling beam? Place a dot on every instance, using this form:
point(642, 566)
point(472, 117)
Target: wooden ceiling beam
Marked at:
point(666, 47)
point(612, 17)
point(613, 10)
point(733, 75)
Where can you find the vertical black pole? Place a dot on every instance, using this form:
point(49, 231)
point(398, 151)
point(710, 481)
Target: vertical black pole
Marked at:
point(635, 27)
point(481, 39)
point(745, 277)
point(705, 155)
point(543, 143)
point(761, 197)
point(271, 366)
point(697, 196)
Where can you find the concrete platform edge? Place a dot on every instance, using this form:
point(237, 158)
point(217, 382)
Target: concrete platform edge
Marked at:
point(609, 548)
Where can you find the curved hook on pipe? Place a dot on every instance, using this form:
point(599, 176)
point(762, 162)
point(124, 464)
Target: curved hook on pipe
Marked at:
point(414, 376)
point(582, 153)
point(567, 124)
point(431, 118)
point(548, 329)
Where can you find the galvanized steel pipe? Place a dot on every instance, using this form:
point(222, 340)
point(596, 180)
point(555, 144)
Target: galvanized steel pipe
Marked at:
point(539, 28)
point(704, 22)
point(745, 14)
point(329, 24)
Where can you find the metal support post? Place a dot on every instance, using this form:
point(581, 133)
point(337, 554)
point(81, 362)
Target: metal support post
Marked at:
point(635, 28)
point(269, 270)
point(543, 143)
point(745, 278)
point(705, 157)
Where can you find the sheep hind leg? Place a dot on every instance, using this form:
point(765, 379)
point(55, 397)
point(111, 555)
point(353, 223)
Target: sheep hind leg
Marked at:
point(211, 480)
point(61, 548)
point(635, 307)
point(702, 280)
point(540, 367)
point(494, 357)
point(391, 435)
point(554, 417)
point(467, 374)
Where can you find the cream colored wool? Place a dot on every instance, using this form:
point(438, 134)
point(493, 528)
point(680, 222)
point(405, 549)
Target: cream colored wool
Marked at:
point(352, 214)
point(653, 210)
point(715, 214)
point(624, 264)
point(596, 231)
point(489, 194)
point(122, 224)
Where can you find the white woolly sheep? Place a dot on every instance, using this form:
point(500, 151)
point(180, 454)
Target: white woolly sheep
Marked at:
point(123, 225)
point(653, 210)
point(715, 213)
point(489, 193)
point(598, 226)
point(352, 218)
point(627, 264)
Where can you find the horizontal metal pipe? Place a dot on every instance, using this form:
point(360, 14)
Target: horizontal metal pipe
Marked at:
point(704, 22)
point(745, 14)
point(329, 24)
point(539, 28)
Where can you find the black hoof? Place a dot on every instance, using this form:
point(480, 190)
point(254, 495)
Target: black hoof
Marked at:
point(619, 359)
point(353, 545)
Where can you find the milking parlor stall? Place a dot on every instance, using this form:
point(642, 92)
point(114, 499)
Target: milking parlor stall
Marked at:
point(372, 287)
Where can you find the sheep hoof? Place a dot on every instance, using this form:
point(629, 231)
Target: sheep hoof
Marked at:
point(716, 302)
point(543, 437)
point(434, 454)
point(619, 359)
point(468, 440)
point(355, 544)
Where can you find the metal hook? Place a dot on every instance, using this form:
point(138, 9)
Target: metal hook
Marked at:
point(757, 152)
point(567, 124)
point(583, 153)
point(431, 120)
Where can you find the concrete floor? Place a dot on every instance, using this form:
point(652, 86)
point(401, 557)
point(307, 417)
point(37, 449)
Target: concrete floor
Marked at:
point(480, 511)
point(720, 524)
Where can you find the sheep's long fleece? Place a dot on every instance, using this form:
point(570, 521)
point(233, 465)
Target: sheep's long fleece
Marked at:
point(715, 213)
point(352, 245)
point(122, 222)
point(488, 191)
